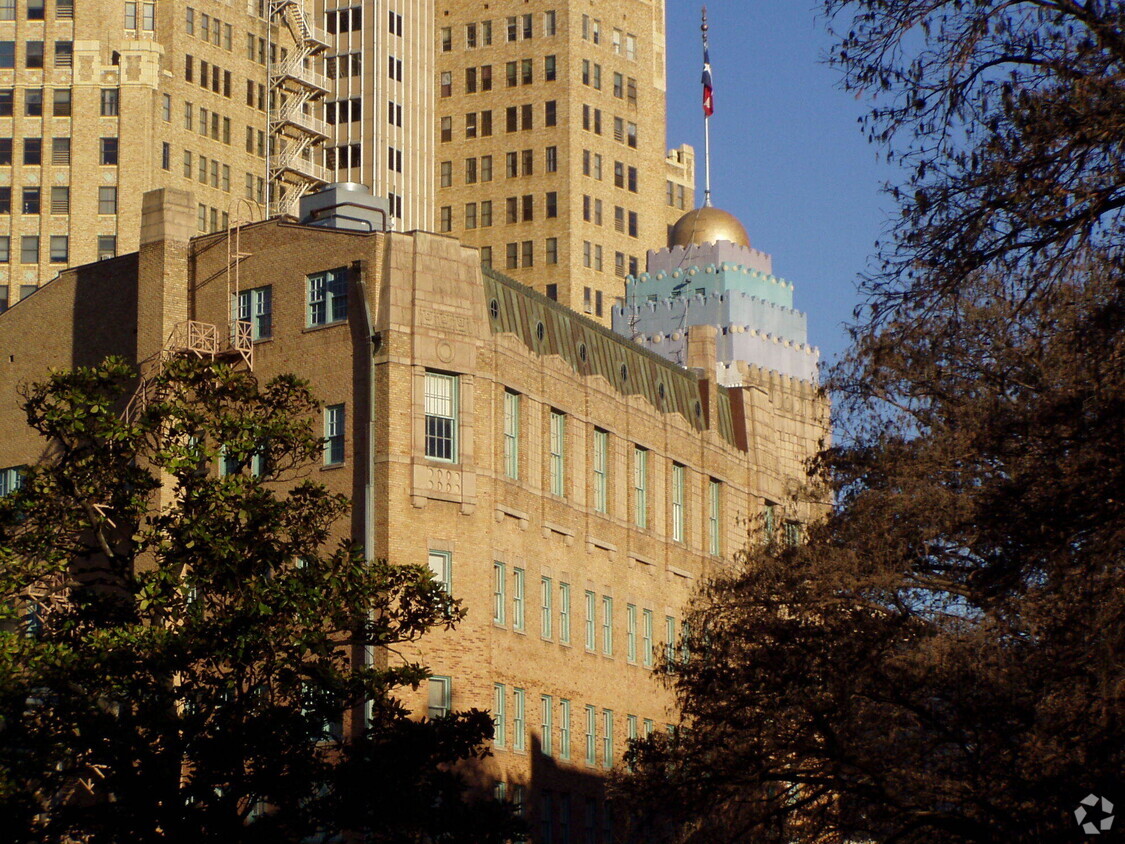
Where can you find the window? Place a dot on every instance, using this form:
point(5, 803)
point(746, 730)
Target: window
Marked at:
point(31, 200)
point(549, 23)
point(446, 171)
point(564, 613)
point(499, 699)
point(33, 155)
point(607, 625)
point(564, 729)
point(640, 487)
point(669, 638)
point(546, 626)
point(440, 694)
point(33, 102)
point(328, 297)
point(29, 249)
point(60, 151)
point(165, 156)
point(646, 640)
point(552, 204)
point(550, 71)
point(109, 103)
point(591, 735)
point(518, 600)
point(470, 215)
point(792, 533)
point(254, 308)
point(446, 39)
point(7, 10)
point(61, 102)
point(107, 246)
point(445, 222)
point(546, 727)
point(333, 434)
point(446, 85)
point(440, 400)
point(446, 126)
point(5, 152)
point(11, 479)
point(108, 154)
point(607, 738)
point(557, 465)
point(519, 724)
point(5, 201)
point(7, 54)
point(512, 434)
point(486, 219)
point(34, 55)
point(552, 250)
point(677, 502)
point(59, 246)
point(713, 490)
point(527, 249)
point(631, 632)
point(499, 593)
point(601, 469)
point(552, 159)
point(591, 635)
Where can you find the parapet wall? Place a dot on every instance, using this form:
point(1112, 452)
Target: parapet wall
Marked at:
point(698, 254)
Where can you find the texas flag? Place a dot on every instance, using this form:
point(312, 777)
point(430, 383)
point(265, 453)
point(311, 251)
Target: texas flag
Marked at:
point(708, 98)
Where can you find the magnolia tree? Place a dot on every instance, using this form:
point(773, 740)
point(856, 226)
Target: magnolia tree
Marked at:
point(182, 672)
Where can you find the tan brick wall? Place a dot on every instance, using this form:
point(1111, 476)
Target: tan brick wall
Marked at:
point(642, 19)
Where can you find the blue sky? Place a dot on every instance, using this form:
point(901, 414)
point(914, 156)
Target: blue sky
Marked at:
point(787, 156)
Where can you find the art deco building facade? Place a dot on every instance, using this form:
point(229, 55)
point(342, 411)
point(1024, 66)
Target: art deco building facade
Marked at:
point(571, 487)
point(380, 104)
point(101, 101)
point(551, 141)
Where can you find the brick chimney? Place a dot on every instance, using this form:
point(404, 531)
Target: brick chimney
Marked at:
point(167, 223)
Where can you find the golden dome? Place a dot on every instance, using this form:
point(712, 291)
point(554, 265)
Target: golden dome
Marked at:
point(708, 225)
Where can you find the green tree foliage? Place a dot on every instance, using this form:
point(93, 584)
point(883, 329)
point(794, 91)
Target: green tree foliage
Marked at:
point(942, 659)
point(182, 672)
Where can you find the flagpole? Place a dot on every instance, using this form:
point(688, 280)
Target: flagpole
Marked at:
point(706, 124)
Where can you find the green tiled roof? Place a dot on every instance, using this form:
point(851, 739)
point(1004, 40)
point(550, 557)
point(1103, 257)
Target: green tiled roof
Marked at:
point(592, 349)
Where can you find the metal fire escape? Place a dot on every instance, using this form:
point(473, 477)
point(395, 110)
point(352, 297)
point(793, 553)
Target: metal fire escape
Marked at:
point(297, 86)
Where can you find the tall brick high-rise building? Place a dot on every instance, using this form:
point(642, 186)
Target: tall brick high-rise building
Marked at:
point(101, 101)
point(551, 141)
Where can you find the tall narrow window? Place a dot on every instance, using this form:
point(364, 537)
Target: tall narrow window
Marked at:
point(677, 502)
point(558, 453)
point(253, 308)
point(546, 725)
point(499, 700)
point(607, 625)
point(441, 416)
point(499, 592)
point(646, 642)
point(519, 722)
point(669, 638)
point(640, 487)
point(547, 609)
point(440, 697)
point(564, 613)
point(333, 434)
point(591, 630)
point(441, 566)
point(607, 738)
point(713, 517)
point(564, 729)
point(631, 632)
point(518, 599)
point(601, 469)
point(328, 297)
point(591, 735)
point(512, 434)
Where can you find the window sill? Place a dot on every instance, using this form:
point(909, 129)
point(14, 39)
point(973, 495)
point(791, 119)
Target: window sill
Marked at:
point(332, 466)
point(309, 328)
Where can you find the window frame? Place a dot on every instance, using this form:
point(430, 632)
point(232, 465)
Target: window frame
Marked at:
point(441, 415)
